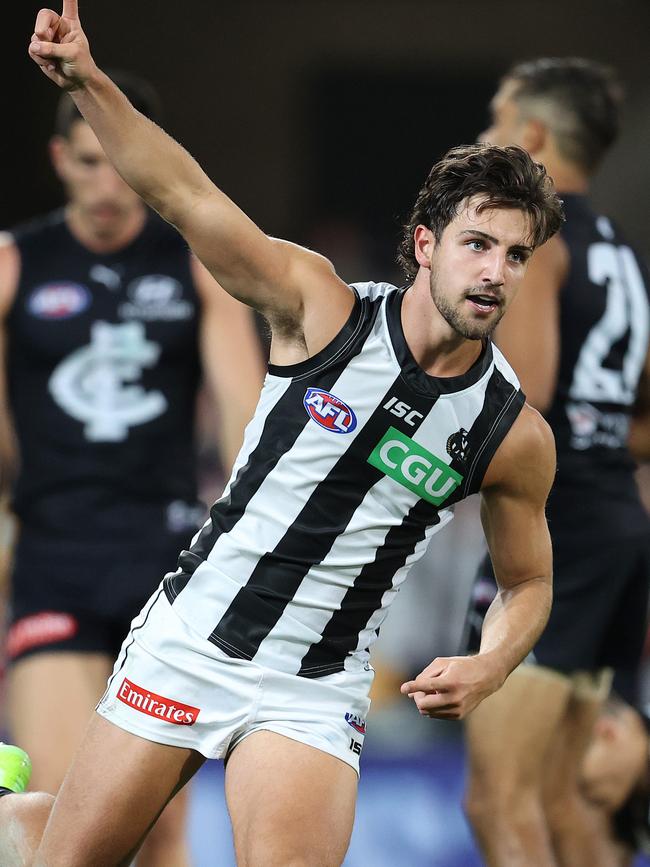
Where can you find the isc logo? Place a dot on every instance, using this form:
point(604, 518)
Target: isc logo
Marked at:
point(403, 410)
point(329, 412)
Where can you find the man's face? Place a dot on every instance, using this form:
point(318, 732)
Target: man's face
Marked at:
point(92, 185)
point(615, 759)
point(478, 265)
point(506, 127)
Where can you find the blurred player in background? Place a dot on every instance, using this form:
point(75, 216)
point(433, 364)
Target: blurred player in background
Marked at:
point(108, 322)
point(615, 782)
point(578, 338)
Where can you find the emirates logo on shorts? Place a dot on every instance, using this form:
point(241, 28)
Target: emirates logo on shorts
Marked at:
point(166, 709)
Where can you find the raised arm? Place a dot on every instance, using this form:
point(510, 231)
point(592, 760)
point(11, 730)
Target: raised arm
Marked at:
point(280, 279)
point(514, 495)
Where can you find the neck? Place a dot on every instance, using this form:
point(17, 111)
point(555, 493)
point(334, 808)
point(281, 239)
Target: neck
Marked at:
point(438, 349)
point(567, 178)
point(105, 239)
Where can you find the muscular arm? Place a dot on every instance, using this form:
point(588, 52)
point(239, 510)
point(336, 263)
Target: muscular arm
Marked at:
point(639, 441)
point(231, 359)
point(514, 495)
point(9, 275)
point(282, 280)
point(514, 521)
point(529, 333)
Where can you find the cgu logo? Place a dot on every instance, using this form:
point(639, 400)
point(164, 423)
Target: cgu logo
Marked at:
point(413, 467)
point(329, 412)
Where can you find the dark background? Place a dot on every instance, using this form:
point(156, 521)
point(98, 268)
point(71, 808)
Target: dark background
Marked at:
point(321, 119)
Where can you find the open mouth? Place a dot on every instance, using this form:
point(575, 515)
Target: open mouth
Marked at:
point(484, 303)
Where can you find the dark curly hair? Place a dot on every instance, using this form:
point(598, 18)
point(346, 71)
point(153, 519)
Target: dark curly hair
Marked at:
point(578, 99)
point(502, 177)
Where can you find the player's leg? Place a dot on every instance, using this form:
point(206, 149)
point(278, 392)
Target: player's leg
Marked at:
point(507, 737)
point(50, 697)
point(290, 804)
point(569, 817)
point(167, 843)
point(116, 787)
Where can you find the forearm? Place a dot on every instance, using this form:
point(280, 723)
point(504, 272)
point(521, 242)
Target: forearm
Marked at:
point(514, 622)
point(639, 440)
point(162, 172)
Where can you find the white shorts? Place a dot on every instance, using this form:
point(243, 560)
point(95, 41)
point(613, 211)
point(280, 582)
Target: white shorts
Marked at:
point(172, 686)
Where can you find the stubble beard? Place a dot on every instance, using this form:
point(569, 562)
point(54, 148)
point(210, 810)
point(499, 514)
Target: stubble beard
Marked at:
point(453, 316)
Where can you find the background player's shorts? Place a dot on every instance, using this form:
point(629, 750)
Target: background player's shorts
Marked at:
point(81, 597)
point(599, 613)
point(172, 686)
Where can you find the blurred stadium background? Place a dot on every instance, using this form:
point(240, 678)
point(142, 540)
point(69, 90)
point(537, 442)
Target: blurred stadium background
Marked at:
point(321, 120)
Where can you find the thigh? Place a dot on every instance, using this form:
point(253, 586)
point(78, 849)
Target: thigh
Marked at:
point(50, 698)
point(509, 732)
point(116, 787)
point(289, 803)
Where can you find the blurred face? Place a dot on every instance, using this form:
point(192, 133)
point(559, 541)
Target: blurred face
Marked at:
point(478, 265)
point(506, 127)
point(615, 760)
point(94, 189)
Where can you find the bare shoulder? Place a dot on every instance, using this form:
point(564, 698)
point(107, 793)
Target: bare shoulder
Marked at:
point(9, 271)
point(525, 461)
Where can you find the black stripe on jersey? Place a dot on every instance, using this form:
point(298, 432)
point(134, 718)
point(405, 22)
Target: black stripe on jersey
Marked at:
point(282, 427)
point(341, 635)
point(503, 403)
point(259, 604)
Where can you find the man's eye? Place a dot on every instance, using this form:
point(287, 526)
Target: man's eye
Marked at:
point(476, 245)
point(518, 257)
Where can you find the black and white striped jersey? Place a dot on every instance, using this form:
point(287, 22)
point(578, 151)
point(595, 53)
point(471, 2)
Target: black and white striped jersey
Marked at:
point(354, 458)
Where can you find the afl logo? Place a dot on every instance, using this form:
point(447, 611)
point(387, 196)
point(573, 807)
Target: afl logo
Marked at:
point(329, 412)
point(358, 723)
point(58, 300)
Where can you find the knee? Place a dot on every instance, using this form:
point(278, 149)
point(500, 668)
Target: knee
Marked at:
point(490, 808)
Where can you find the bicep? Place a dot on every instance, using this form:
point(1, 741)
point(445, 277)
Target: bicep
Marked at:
point(513, 501)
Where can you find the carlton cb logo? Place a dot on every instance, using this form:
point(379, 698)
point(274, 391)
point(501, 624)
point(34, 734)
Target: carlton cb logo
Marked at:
point(98, 384)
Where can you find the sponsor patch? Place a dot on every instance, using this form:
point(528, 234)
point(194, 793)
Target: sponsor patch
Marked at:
point(156, 297)
point(165, 709)
point(35, 630)
point(329, 411)
point(358, 723)
point(413, 467)
point(59, 300)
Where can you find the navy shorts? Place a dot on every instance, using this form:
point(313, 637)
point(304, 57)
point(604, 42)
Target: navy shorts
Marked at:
point(599, 614)
point(82, 596)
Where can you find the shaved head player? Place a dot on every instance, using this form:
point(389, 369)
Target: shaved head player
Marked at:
point(381, 409)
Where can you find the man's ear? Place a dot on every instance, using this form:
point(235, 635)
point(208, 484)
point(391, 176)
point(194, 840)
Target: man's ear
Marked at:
point(534, 136)
point(57, 147)
point(423, 244)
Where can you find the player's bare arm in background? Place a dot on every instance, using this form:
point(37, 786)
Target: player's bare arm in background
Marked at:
point(294, 288)
point(9, 273)
point(640, 423)
point(514, 495)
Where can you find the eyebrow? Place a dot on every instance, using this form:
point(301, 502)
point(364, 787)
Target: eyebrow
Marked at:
point(495, 240)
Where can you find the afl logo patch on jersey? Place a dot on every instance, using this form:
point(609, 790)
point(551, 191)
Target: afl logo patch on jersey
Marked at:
point(58, 300)
point(358, 723)
point(329, 411)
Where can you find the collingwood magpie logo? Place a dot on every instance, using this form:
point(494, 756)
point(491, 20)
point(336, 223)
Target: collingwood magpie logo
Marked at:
point(458, 445)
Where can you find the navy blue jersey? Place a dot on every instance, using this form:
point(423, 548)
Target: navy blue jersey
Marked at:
point(103, 371)
point(604, 328)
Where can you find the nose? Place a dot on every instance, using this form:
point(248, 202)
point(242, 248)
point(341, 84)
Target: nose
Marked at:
point(494, 268)
point(110, 183)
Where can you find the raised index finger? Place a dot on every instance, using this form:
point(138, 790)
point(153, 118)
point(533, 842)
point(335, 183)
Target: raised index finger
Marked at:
point(70, 9)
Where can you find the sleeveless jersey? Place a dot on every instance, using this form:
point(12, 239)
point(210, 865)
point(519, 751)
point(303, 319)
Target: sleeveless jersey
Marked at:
point(103, 371)
point(354, 458)
point(604, 329)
